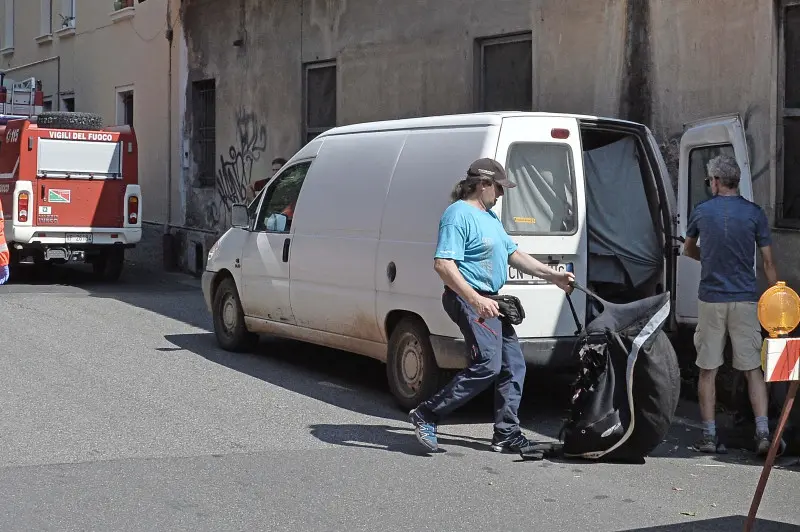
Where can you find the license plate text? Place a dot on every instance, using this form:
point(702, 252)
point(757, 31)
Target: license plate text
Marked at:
point(79, 238)
point(517, 277)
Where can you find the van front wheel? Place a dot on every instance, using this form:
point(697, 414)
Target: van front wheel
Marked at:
point(228, 316)
point(411, 367)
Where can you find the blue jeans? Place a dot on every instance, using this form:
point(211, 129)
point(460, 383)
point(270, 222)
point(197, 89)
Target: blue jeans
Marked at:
point(4, 274)
point(495, 357)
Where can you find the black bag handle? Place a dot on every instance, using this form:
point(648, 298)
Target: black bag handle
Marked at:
point(577, 286)
point(574, 316)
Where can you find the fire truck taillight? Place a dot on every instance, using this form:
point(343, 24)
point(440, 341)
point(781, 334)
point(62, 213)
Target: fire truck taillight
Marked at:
point(133, 209)
point(22, 207)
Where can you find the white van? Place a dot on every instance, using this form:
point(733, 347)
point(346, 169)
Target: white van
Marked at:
point(337, 249)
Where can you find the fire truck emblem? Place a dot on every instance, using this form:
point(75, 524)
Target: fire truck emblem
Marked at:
point(58, 196)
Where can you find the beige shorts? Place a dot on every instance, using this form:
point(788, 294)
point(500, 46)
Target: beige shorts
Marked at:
point(738, 320)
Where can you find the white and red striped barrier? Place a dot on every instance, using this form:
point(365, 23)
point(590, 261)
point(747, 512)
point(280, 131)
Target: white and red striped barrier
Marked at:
point(779, 359)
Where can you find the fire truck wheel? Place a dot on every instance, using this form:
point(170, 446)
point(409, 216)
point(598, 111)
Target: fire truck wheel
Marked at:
point(228, 316)
point(13, 257)
point(108, 265)
point(69, 120)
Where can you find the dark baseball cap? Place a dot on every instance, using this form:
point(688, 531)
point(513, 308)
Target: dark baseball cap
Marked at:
point(490, 169)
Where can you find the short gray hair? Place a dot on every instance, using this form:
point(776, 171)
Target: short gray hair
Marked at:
point(726, 169)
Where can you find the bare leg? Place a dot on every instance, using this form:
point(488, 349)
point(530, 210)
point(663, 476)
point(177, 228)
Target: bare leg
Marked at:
point(707, 392)
point(757, 389)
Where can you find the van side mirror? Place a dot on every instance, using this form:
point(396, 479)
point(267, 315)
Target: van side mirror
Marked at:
point(240, 218)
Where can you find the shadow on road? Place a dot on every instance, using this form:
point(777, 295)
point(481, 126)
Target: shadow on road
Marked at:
point(55, 278)
point(358, 384)
point(153, 291)
point(391, 438)
point(335, 377)
point(734, 522)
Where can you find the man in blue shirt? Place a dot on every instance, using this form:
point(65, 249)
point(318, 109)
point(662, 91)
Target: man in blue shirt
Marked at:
point(472, 258)
point(730, 228)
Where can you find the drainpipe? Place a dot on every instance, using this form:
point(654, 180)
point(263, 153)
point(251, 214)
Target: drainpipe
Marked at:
point(169, 35)
point(57, 59)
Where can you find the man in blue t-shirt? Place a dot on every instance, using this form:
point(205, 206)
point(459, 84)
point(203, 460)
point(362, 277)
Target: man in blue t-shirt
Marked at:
point(729, 229)
point(472, 258)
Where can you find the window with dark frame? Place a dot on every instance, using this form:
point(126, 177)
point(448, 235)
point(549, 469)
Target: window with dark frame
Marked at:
point(319, 108)
point(504, 73)
point(204, 111)
point(126, 108)
point(788, 207)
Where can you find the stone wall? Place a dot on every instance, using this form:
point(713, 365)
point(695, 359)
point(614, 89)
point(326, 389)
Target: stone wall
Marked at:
point(663, 63)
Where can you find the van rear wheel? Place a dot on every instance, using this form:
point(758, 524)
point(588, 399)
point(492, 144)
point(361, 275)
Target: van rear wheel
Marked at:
point(228, 316)
point(411, 366)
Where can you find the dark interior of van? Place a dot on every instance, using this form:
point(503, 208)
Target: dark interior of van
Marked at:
point(626, 239)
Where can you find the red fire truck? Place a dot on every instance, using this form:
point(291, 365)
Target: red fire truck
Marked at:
point(69, 185)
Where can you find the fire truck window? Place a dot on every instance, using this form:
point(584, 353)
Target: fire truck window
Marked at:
point(277, 209)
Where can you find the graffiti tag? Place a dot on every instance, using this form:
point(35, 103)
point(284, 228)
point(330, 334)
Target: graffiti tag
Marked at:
point(236, 171)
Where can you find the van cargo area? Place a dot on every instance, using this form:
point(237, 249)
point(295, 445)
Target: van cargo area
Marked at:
point(625, 219)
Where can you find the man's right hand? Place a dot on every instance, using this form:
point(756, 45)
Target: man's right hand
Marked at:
point(485, 307)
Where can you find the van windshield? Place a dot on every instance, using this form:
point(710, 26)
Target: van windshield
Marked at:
point(543, 202)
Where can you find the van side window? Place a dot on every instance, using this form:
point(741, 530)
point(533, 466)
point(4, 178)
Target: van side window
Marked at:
point(277, 209)
point(543, 201)
point(698, 162)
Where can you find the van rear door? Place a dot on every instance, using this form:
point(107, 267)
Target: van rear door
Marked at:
point(79, 183)
point(702, 141)
point(545, 215)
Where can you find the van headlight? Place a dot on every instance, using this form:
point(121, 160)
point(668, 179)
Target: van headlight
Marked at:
point(213, 250)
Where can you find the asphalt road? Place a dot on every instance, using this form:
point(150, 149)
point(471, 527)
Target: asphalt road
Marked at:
point(120, 413)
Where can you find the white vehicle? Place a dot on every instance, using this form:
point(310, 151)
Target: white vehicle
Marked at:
point(337, 249)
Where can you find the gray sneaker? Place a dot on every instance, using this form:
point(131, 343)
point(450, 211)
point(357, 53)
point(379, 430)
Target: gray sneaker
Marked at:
point(706, 444)
point(763, 442)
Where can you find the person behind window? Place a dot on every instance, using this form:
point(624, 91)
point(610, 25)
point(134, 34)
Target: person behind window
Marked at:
point(731, 227)
point(472, 258)
point(256, 186)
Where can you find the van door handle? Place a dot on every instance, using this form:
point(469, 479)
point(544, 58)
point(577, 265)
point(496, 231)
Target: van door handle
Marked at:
point(42, 192)
point(286, 249)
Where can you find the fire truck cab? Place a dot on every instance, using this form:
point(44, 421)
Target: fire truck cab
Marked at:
point(69, 186)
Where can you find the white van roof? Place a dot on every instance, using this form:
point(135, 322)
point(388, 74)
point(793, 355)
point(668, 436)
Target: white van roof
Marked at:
point(456, 120)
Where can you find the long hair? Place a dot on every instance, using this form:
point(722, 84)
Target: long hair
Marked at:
point(465, 188)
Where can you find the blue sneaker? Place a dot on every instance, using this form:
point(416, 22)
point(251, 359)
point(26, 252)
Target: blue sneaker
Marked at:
point(425, 432)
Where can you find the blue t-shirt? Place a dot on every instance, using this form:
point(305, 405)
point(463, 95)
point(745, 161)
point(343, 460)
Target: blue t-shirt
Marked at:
point(729, 228)
point(476, 240)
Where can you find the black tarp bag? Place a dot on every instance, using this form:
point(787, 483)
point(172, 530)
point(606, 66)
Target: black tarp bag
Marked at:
point(628, 384)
